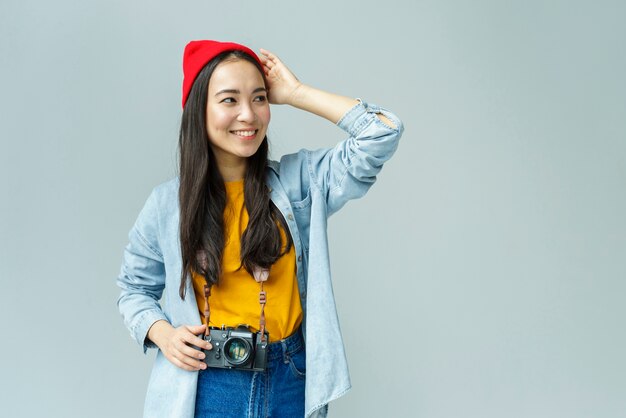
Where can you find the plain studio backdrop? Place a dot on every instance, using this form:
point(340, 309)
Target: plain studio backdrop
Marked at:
point(482, 276)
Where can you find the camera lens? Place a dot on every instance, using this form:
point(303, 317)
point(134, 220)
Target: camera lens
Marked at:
point(237, 351)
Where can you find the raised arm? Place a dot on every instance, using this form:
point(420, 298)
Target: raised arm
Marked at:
point(347, 170)
point(285, 88)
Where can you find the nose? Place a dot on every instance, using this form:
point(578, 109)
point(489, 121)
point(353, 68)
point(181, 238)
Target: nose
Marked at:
point(246, 113)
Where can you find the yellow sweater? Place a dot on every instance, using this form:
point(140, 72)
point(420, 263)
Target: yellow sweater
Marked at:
point(235, 299)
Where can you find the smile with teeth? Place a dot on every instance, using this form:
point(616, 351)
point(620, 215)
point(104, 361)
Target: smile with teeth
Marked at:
point(245, 134)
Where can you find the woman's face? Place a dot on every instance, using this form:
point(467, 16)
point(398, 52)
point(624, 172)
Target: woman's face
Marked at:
point(237, 111)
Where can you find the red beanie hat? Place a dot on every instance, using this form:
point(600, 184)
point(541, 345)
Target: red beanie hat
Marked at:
point(198, 53)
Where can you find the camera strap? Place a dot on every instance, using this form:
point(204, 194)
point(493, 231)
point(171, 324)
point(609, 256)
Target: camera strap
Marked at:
point(261, 275)
point(207, 309)
point(203, 261)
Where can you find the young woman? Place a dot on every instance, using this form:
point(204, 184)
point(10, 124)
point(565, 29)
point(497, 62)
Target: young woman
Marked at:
point(240, 239)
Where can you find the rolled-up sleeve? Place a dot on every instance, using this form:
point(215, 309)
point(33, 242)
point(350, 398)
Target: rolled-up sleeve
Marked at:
point(348, 170)
point(142, 276)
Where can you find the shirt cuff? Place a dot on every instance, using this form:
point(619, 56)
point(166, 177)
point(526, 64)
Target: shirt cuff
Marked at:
point(140, 331)
point(360, 116)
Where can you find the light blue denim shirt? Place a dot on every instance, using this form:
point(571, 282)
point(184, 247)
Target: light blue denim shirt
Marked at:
point(307, 187)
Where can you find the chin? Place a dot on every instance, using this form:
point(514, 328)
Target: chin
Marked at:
point(249, 152)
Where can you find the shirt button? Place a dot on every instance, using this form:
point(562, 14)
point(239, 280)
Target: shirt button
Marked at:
point(290, 216)
point(299, 258)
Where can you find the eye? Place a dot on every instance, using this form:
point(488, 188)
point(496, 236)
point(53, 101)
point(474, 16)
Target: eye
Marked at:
point(228, 100)
point(260, 99)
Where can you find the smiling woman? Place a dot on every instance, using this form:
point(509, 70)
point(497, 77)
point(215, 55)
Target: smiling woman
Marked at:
point(237, 115)
point(239, 239)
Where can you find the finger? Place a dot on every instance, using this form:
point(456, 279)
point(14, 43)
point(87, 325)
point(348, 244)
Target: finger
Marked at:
point(268, 54)
point(196, 329)
point(188, 355)
point(189, 340)
point(192, 362)
point(193, 339)
point(188, 351)
point(176, 362)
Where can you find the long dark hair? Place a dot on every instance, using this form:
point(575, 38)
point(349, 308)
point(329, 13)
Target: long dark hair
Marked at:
point(202, 195)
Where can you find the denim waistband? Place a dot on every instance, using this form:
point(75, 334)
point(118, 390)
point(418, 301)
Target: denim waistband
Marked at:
point(287, 346)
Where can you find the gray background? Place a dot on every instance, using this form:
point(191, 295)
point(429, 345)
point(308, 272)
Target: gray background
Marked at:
point(482, 276)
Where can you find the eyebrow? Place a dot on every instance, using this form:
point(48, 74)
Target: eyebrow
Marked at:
point(235, 91)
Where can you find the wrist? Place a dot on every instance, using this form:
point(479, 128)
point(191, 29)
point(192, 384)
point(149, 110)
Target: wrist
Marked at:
point(298, 95)
point(158, 331)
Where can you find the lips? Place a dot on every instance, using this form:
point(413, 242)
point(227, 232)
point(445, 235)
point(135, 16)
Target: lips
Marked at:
point(245, 134)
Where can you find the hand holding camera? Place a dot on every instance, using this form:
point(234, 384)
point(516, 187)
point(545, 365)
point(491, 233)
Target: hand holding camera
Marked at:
point(236, 348)
point(178, 344)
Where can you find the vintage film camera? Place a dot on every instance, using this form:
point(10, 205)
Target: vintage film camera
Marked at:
point(236, 348)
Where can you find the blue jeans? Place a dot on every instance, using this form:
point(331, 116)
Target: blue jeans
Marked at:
point(276, 392)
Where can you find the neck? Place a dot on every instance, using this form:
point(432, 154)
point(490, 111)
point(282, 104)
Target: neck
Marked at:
point(232, 170)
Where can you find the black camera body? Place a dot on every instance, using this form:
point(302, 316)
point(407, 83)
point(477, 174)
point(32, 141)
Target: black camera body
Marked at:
point(237, 348)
